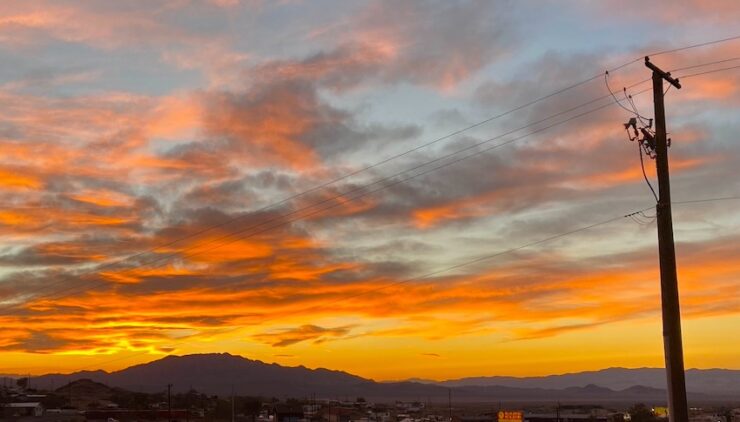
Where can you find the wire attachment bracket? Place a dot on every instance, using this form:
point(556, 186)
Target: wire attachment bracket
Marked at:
point(644, 135)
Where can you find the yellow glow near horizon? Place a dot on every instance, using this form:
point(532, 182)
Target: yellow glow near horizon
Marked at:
point(630, 344)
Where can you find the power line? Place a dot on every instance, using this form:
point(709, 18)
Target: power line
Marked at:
point(552, 237)
point(696, 201)
point(432, 273)
point(674, 50)
point(703, 44)
point(353, 173)
point(644, 174)
point(387, 178)
point(693, 67)
point(161, 258)
point(393, 157)
point(691, 75)
point(178, 253)
point(633, 106)
point(75, 288)
point(678, 69)
point(343, 177)
point(637, 114)
point(456, 266)
point(606, 83)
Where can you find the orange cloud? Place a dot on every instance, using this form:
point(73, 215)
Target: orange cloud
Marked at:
point(633, 174)
point(457, 209)
point(268, 128)
point(209, 250)
point(710, 89)
point(103, 198)
point(175, 117)
point(13, 179)
point(136, 275)
point(519, 299)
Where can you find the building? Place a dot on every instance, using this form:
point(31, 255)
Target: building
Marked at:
point(288, 413)
point(342, 414)
point(706, 417)
point(478, 418)
point(311, 411)
point(410, 407)
point(17, 410)
point(734, 415)
point(138, 415)
point(380, 413)
point(565, 417)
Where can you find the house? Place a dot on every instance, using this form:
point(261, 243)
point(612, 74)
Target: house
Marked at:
point(15, 410)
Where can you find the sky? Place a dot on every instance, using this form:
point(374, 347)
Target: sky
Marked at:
point(362, 186)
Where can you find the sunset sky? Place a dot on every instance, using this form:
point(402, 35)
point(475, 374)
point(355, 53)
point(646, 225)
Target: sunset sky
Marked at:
point(276, 180)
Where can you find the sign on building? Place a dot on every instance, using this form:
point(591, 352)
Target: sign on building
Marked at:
point(510, 416)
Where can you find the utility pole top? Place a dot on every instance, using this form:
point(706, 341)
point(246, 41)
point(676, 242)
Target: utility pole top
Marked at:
point(671, 310)
point(665, 75)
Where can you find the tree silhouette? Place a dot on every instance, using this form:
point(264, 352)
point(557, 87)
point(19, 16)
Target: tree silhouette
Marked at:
point(641, 413)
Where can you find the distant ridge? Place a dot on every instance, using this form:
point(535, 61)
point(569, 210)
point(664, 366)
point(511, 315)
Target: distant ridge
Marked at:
point(218, 373)
point(707, 381)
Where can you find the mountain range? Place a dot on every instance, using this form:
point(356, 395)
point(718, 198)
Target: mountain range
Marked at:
point(708, 381)
point(219, 373)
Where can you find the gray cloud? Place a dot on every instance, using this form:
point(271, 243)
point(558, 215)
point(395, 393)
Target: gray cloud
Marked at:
point(313, 333)
point(414, 42)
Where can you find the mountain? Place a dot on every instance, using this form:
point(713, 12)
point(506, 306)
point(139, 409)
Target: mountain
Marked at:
point(215, 373)
point(219, 373)
point(83, 392)
point(590, 393)
point(708, 381)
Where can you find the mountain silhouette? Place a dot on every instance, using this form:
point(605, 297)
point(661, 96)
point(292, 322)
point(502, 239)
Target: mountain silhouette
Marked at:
point(220, 373)
point(707, 381)
point(216, 374)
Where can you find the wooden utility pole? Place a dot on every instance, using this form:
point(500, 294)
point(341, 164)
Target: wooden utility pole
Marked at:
point(169, 402)
point(449, 402)
point(672, 343)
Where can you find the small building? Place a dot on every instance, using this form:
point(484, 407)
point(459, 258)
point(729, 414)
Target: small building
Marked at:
point(380, 414)
point(476, 418)
point(311, 411)
point(16, 410)
point(410, 407)
point(707, 417)
point(288, 413)
point(125, 415)
point(341, 414)
point(564, 417)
